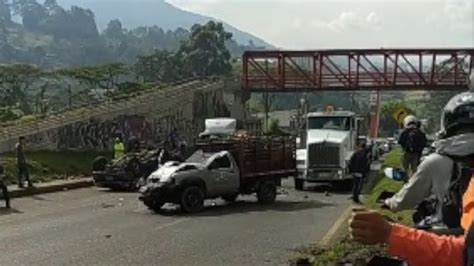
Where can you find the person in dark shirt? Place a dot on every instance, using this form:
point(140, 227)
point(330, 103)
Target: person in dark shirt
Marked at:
point(413, 141)
point(22, 163)
point(359, 167)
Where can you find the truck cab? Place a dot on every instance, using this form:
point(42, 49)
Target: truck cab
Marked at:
point(326, 147)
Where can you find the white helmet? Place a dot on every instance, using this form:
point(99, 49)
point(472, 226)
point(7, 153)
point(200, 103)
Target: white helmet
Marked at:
point(411, 119)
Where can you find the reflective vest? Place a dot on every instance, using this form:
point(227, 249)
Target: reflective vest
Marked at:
point(119, 150)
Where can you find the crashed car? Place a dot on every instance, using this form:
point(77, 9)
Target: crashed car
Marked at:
point(126, 172)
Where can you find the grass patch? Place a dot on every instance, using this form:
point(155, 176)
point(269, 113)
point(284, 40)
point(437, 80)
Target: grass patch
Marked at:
point(45, 166)
point(347, 251)
point(385, 184)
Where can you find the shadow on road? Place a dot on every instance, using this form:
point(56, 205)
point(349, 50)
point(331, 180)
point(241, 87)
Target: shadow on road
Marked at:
point(340, 189)
point(5, 211)
point(36, 197)
point(248, 207)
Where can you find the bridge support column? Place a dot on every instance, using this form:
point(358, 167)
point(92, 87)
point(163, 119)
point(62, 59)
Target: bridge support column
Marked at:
point(374, 113)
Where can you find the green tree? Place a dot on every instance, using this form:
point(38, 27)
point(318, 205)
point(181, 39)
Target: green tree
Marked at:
point(32, 13)
point(15, 80)
point(205, 52)
point(114, 30)
point(101, 77)
point(161, 66)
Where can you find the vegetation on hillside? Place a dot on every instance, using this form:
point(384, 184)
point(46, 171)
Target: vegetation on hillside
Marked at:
point(30, 91)
point(51, 36)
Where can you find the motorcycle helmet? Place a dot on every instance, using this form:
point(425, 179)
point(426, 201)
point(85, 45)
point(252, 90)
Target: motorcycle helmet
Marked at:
point(459, 111)
point(410, 120)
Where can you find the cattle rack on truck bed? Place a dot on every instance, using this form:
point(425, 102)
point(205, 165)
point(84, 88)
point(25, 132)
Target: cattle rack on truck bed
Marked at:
point(257, 157)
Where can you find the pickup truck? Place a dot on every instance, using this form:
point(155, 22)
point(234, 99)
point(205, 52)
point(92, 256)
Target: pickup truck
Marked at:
point(223, 168)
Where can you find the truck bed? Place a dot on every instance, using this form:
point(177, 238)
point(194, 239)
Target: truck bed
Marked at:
point(258, 156)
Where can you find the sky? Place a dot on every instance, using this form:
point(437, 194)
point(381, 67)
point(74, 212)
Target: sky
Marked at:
point(316, 24)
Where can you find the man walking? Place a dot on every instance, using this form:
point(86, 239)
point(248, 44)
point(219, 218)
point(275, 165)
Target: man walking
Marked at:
point(359, 167)
point(22, 164)
point(413, 141)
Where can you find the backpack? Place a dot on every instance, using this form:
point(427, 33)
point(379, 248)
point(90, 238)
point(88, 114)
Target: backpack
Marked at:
point(452, 203)
point(415, 141)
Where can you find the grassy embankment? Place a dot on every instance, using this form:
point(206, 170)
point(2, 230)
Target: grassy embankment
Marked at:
point(45, 166)
point(347, 251)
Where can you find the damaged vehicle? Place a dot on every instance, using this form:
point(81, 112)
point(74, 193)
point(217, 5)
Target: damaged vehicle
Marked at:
point(127, 172)
point(223, 168)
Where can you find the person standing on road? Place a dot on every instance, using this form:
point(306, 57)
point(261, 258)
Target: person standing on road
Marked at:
point(359, 167)
point(119, 149)
point(413, 141)
point(22, 163)
point(4, 188)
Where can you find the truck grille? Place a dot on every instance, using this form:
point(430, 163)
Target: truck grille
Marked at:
point(323, 155)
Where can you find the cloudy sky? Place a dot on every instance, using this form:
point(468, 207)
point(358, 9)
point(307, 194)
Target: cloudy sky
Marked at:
point(311, 24)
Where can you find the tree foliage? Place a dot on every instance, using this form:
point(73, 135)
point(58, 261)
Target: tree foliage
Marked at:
point(205, 52)
point(54, 37)
point(104, 77)
point(14, 83)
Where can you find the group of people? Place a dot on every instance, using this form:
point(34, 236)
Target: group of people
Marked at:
point(23, 171)
point(448, 174)
point(172, 144)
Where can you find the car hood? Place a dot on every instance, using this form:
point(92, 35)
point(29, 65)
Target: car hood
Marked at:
point(166, 171)
point(326, 135)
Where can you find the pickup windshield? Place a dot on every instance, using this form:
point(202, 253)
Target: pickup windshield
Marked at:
point(334, 123)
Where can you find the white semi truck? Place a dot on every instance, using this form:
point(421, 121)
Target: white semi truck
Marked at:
point(326, 147)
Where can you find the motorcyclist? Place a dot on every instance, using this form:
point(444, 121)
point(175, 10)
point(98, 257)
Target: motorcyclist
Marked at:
point(413, 141)
point(418, 247)
point(431, 178)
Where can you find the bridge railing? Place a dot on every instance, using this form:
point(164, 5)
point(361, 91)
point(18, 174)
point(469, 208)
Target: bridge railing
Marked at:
point(399, 69)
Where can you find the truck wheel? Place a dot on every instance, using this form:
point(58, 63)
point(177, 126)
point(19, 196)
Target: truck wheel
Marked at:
point(192, 199)
point(266, 193)
point(299, 184)
point(230, 198)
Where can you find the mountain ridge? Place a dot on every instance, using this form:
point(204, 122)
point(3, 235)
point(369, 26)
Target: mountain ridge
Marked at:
point(158, 12)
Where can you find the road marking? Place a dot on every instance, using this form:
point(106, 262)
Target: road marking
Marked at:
point(328, 238)
point(159, 228)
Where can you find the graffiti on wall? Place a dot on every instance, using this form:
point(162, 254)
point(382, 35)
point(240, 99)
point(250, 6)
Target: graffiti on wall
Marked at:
point(98, 134)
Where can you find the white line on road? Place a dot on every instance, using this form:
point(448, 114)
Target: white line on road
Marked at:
point(329, 237)
point(159, 228)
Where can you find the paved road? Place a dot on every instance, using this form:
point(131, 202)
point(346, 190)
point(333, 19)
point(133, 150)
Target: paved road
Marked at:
point(93, 227)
